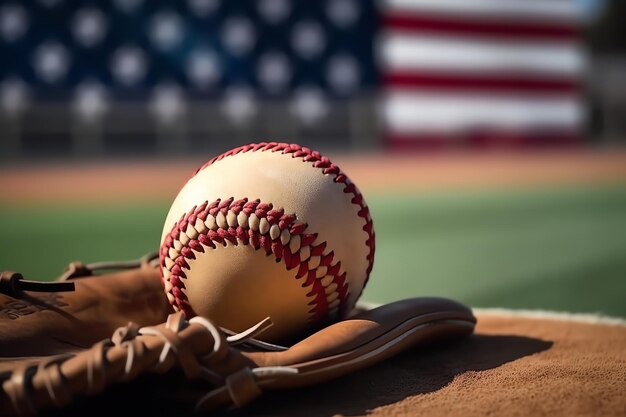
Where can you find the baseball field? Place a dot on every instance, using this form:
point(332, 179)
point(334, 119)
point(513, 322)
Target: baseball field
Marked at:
point(525, 231)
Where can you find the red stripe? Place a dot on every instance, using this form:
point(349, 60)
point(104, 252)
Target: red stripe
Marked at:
point(482, 140)
point(508, 28)
point(442, 81)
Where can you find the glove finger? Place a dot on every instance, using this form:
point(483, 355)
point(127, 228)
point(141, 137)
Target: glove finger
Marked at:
point(368, 338)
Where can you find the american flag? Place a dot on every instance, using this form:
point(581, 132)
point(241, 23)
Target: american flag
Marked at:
point(446, 71)
point(482, 71)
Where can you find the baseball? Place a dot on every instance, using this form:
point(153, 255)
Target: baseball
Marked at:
point(267, 230)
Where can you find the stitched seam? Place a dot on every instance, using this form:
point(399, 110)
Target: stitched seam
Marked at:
point(264, 228)
point(328, 168)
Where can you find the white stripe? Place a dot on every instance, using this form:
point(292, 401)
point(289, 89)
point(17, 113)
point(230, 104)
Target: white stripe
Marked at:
point(560, 10)
point(552, 315)
point(402, 52)
point(597, 318)
point(450, 113)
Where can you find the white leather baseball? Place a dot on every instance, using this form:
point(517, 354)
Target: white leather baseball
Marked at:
point(267, 230)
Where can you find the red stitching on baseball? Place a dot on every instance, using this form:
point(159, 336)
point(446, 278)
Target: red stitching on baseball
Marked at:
point(209, 237)
point(319, 304)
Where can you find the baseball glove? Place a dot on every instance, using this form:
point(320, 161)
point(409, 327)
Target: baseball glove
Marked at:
point(103, 338)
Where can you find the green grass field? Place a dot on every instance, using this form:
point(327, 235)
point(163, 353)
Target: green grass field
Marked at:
point(558, 249)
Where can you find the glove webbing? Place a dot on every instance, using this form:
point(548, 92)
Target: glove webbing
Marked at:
point(197, 346)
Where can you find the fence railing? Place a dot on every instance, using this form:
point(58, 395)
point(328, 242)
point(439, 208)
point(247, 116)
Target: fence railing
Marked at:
point(141, 128)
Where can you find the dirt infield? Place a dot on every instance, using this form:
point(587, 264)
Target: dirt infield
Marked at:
point(512, 366)
point(103, 181)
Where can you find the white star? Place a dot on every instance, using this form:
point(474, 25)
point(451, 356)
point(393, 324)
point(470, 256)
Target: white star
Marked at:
point(203, 8)
point(239, 104)
point(309, 105)
point(342, 73)
point(274, 11)
point(129, 65)
point(51, 61)
point(166, 30)
point(14, 96)
point(90, 101)
point(203, 68)
point(308, 39)
point(343, 13)
point(89, 27)
point(238, 35)
point(274, 71)
point(167, 102)
point(13, 22)
point(128, 6)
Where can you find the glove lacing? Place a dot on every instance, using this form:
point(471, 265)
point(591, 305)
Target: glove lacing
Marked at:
point(239, 386)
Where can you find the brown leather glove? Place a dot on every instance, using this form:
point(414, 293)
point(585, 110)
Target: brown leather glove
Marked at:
point(59, 349)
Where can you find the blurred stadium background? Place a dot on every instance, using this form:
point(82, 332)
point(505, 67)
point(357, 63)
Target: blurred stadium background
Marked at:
point(487, 134)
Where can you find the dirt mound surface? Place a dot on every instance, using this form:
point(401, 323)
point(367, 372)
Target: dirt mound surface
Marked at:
point(511, 366)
